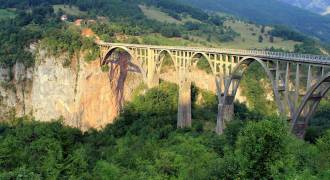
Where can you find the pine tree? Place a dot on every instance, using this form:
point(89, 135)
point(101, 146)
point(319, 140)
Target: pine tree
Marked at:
point(262, 29)
point(261, 39)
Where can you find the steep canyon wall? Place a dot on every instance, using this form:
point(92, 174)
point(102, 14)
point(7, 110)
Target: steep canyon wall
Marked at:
point(82, 94)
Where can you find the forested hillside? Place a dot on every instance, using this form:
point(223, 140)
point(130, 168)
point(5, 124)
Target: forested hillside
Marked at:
point(35, 20)
point(271, 12)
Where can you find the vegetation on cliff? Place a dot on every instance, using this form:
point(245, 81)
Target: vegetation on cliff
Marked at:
point(69, 41)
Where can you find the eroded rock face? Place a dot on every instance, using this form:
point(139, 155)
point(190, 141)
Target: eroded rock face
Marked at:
point(101, 95)
point(53, 91)
point(82, 94)
point(96, 105)
point(15, 90)
point(7, 93)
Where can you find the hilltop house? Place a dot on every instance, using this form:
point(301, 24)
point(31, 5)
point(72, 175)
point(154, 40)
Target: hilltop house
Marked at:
point(64, 17)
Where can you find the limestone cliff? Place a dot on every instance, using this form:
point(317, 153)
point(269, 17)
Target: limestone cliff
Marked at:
point(15, 90)
point(82, 94)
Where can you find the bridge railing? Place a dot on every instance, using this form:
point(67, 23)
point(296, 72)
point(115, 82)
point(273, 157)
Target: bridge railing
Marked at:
point(279, 55)
point(309, 58)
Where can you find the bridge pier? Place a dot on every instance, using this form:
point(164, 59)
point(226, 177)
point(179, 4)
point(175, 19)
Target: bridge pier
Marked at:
point(184, 104)
point(225, 114)
point(153, 81)
point(226, 105)
point(152, 74)
point(228, 113)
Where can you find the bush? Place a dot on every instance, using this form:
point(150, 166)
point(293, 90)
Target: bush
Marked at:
point(287, 34)
point(105, 68)
point(263, 150)
point(323, 144)
point(170, 31)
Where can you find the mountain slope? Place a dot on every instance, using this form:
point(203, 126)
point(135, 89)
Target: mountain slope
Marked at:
point(271, 12)
point(248, 37)
point(317, 6)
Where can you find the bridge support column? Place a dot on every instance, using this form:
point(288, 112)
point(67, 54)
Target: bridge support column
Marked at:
point(225, 114)
point(153, 80)
point(152, 75)
point(226, 106)
point(228, 113)
point(184, 104)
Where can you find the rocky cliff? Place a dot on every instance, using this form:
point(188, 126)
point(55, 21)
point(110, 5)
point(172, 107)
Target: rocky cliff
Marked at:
point(83, 95)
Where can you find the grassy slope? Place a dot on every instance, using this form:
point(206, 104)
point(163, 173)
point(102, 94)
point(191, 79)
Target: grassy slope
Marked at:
point(73, 10)
point(160, 40)
point(271, 12)
point(157, 39)
point(245, 41)
point(4, 14)
point(156, 14)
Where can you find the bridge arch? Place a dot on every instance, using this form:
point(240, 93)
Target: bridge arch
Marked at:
point(161, 60)
point(235, 78)
point(202, 54)
point(132, 56)
point(309, 105)
point(114, 48)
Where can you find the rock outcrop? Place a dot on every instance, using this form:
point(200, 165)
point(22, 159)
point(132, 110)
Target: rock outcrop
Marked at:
point(82, 94)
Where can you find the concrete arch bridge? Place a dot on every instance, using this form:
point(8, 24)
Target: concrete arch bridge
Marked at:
point(299, 81)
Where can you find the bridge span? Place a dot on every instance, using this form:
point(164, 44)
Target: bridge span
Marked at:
point(299, 81)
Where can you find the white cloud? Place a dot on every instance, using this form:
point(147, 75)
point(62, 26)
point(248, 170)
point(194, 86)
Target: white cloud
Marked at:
point(327, 11)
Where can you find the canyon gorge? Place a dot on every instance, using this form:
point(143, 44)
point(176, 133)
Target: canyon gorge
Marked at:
point(82, 94)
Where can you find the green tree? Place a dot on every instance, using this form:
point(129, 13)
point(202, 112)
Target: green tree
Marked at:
point(260, 39)
point(105, 170)
point(323, 144)
point(262, 30)
point(271, 39)
point(262, 149)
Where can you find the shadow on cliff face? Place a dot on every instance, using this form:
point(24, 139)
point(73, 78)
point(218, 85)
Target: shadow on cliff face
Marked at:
point(103, 93)
point(120, 65)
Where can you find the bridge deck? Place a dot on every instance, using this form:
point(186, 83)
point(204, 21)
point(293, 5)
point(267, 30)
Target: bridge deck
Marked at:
point(301, 58)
